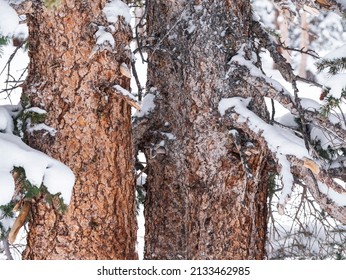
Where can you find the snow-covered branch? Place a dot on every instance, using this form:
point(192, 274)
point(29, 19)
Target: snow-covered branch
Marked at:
point(329, 195)
point(313, 6)
point(40, 169)
point(247, 70)
point(293, 159)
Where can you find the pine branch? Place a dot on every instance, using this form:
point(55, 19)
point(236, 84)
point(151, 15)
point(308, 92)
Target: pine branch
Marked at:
point(335, 65)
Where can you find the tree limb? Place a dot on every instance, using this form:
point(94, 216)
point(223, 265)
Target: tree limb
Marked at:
point(314, 178)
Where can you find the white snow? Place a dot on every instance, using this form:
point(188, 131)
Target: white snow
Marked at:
point(6, 187)
point(309, 104)
point(115, 9)
point(36, 110)
point(338, 198)
point(254, 71)
point(326, 139)
point(21, 32)
point(148, 105)
point(103, 36)
point(191, 28)
point(9, 19)
point(335, 54)
point(336, 83)
point(125, 92)
point(288, 120)
point(198, 8)
point(281, 142)
point(39, 168)
point(169, 136)
point(6, 123)
point(41, 126)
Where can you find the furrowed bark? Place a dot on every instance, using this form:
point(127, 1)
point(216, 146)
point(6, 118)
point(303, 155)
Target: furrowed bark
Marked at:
point(206, 196)
point(72, 79)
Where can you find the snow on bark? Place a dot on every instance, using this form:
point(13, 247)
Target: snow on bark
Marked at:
point(239, 59)
point(148, 103)
point(115, 9)
point(104, 37)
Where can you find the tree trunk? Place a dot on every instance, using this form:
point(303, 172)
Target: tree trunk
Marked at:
point(281, 25)
point(207, 182)
point(304, 44)
point(72, 79)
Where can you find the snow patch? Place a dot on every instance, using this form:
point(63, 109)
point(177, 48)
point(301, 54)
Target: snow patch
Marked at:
point(336, 54)
point(125, 92)
point(39, 168)
point(41, 126)
point(338, 198)
point(21, 32)
point(6, 186)
point(326, 139)
point(104, 37)
point(279, 140)
point(9, 19)
point(36, 110)
point(191, 28)
point(336, 83)
point(239, 59)
point(309, 104)
point(148, 105)
point(288, 120)
point(115, 9)
point(169, 136)
point(342, 2)
point(6, 122)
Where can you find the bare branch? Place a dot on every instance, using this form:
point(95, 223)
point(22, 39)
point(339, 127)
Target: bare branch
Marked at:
point(7, 249)
point(24, 7)
point(302, 51)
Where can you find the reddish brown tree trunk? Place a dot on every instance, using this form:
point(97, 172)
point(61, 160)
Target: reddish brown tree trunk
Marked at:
point(73, 81)
point(206, 196)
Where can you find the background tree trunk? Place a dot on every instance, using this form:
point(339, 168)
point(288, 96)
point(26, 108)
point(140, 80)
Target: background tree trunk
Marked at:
point(207, 182)
point(73, 81)
point(304, 44)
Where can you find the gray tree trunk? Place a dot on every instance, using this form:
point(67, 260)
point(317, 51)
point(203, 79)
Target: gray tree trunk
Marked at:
point(207, 181)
